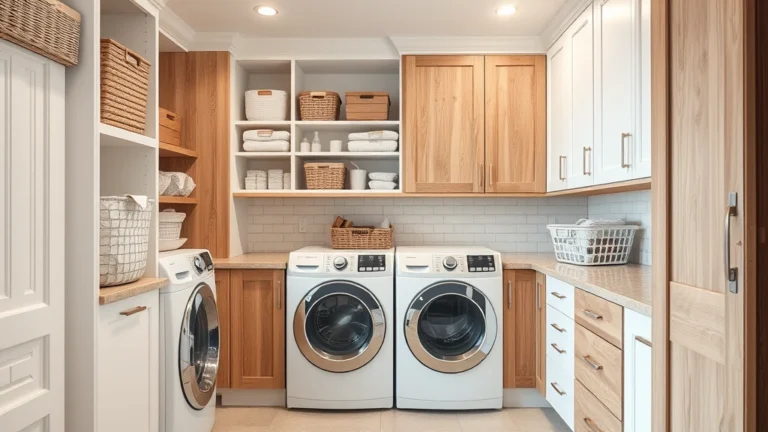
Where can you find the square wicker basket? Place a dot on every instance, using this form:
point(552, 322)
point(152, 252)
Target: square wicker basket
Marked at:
point(362, 238)
point(124, 87)
point(47, 27)
point(319, 105)
point(325, 175)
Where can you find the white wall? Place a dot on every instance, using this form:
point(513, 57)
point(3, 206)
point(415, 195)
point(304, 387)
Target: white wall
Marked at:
point(635, 208)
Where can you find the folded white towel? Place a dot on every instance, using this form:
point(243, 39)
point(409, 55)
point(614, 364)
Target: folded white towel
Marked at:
point(600, 222)
point(374, 135)
point(266, 146)
point(383, 176)
point(381, 185)
point(372, 146)
point(266, 135)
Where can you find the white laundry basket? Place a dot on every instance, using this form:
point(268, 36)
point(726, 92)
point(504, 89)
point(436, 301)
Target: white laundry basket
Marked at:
point(591, 246)
point(266, 105)
point(123, 238)
point(170, 223)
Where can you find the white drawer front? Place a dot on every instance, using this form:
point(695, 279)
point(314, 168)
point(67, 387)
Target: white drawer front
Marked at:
point(560, 338)
point(561, 296)
point(559, 379)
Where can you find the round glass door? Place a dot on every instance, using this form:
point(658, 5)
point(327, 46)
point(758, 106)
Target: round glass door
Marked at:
point(450, 327)
point(339, 327)
point(199, 348)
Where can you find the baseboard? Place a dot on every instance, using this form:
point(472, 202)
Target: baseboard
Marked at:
point(524, 398)
point(255, 398)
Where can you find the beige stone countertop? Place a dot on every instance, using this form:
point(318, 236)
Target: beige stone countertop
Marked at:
point(266, 260)
point(626, 285)
point(121, 292)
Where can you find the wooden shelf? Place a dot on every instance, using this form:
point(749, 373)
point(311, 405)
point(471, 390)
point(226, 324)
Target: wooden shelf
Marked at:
point(626, 186)
point(111, 136)
point(169, 151)
point(178, 200)
point(346, 193)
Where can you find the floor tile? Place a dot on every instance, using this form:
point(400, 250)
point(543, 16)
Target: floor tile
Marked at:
point(537, 420)
point(486, 421)
point(326, 421)
point(242, 419)
point(419, 421)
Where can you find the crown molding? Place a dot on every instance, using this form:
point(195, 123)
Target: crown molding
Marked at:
point(468, 45)
point(176, 29)
point(564, 18)
point(315, 48)
point(216, 41)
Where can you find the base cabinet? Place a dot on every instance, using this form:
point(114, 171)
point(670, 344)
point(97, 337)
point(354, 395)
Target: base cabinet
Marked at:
point(520, 358)
point(223, 300)
point(637, 372)
point(128, 334)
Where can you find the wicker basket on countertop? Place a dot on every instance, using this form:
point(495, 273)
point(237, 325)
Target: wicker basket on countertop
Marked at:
point(319, 105)
point(362, 238)
point(47, 27)
point(325, 175)
point(124, 87)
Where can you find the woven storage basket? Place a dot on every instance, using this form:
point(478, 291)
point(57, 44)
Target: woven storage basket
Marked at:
point(362, 238)
point(124, 87)
point(596, 245)
point(323, 105)
point(123, 239)
point(266, 105)
point(47, 27)
point(325, 175)
point(169, 224)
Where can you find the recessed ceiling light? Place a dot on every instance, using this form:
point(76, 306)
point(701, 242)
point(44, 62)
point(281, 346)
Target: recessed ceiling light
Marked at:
point(265, 10)
point(506, 10)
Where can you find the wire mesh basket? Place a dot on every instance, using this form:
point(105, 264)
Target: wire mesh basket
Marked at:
point(123, 239)
point(592, 246)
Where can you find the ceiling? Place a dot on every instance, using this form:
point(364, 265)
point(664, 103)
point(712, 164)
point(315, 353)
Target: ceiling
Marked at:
point(367, 18)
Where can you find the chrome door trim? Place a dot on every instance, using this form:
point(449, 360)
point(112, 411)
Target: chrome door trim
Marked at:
point(450, 364)
point(332, 362)
point(198, 395)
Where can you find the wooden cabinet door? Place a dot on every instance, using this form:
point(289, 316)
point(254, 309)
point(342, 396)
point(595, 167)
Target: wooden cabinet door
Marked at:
point(223, 302)
point(520, 360)
point(559, 117)
point(257, 308)
point(515, 123)
point(541, 334)
point(444, 142)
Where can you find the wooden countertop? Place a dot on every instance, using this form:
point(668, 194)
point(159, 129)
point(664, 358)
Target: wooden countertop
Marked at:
point(626, 285)
point(121, 292)
point(277, 260)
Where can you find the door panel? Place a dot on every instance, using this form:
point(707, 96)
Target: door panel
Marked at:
point(541, 334)
point(580, 165)
point(223, 295)
point(515, 125)
point(559, 114)
point(520, 349)
point(444, 117)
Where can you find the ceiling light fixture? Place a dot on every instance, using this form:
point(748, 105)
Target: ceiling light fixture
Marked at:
point(265, 10)
point(506, 10)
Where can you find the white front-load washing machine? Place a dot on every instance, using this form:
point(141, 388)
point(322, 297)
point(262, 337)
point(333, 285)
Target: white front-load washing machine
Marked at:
point(449, 316)
point(189, 342)
point(339, 347)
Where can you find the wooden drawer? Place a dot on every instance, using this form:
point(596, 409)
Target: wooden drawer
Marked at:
point(560, 392)
point(591, 415)
point(601, 316)
point(170, 128)
point(598, 366)
point(367, 105)
point(560, 338)
point(560, 295)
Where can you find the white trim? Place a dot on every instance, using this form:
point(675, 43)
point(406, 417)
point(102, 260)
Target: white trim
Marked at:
point(524, 398)
point(562, 20)
point(213, 41)
point(468, 45)
point(175, 29)
point(314, 48)
point(244, 397)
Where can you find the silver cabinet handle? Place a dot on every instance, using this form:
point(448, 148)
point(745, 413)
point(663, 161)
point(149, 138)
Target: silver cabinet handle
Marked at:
point(624, 137)
point(591, 363)
point(592, 315)
point(560, 168)
point(557, 348)
point(644, 341)
point(279, 294)
point(584, 160)
point(538, 295)
point(509, 294)
point(490, 175)
point(557, 388)
point(557, 327)
point(731, 273)
point(558, 295)
point(482, 175)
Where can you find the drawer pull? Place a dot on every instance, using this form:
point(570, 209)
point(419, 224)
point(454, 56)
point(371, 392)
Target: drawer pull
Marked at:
point(644, 341)
point(509, 294)
point(557, 388)
point(591, 363)
point(557, 327)
point(592, 315)
point(135, 310)
point(558, 295)
point(557, 348)
point(592, 425)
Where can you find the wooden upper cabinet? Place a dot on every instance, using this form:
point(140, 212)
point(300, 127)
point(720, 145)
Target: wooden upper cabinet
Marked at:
point(223, 305)
point(515, 123)
point(520, 349)
point(257, 346)
point(443, 123)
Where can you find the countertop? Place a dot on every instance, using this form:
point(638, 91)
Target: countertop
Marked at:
point(121, 292)
point(254, 261)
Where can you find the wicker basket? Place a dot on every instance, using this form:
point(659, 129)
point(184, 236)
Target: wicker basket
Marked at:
point(124, 87)
point(266, 105)
point(591, 246)
point(362, 238)
point(325, 175)
point(169, 224)
point(321, 105)
point(123, 239)
point(47, 27)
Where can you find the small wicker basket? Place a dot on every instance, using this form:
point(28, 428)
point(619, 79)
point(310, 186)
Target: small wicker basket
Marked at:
point(170, 224)
point(124, 87)
point(362, 238)
point(322, 105)
point(47, 27)
point(325, 175)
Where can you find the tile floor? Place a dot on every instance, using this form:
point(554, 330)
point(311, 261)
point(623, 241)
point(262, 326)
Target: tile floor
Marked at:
point(238, 419)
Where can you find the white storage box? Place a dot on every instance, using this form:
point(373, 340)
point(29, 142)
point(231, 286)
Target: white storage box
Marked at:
point(266, 105)
point(594, 245)
point(123, 238)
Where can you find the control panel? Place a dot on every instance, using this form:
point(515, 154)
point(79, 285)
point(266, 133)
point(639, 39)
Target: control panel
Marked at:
point(481, 263)
point(371, 263)
point(201, 263)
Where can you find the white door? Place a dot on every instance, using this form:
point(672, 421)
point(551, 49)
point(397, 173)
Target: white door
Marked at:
point(614, 90)
point(582, 101)
point(642, 154)
point(558, 114)
point(32, 231)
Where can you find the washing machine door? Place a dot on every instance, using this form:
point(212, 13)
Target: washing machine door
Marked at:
point(199, 347)
point(450, 327)
point(339, 326)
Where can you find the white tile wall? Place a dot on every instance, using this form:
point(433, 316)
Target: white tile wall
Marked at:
point(634, 207)
point(504, 224)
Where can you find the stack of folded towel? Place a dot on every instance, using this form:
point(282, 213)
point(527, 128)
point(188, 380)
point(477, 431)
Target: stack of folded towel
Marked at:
point(265, 140)
point(375, 141)
point(382, 180)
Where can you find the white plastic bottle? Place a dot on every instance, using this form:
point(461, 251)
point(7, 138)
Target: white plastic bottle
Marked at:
point(305, 145)
point(316, 146)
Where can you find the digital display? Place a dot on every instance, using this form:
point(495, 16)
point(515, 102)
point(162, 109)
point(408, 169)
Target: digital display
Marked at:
point(481, 263)
point(371, 263)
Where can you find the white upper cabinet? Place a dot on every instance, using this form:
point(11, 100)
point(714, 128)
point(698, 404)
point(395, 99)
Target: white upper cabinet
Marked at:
point(642, 166)
point(558, 114)
point(580, 160)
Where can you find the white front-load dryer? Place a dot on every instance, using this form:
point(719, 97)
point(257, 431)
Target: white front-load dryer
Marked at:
point(189, 342)
point(449, 316)
point(339, 344)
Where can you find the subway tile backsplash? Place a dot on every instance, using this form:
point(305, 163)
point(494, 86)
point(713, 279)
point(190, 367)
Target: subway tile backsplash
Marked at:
point(635, 208)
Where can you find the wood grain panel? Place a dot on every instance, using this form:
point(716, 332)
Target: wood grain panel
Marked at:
point(697, 320)
point(443, 123)
point(258, 329)
point(541, 334)
point(515, 123)
point(606, 383)
point(520, 359)
point(590, 415)
point(696, 392)
point(602, 317)
point(223, 301)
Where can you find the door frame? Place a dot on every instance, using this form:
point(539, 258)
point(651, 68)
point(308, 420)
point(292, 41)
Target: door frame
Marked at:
point(660, 200)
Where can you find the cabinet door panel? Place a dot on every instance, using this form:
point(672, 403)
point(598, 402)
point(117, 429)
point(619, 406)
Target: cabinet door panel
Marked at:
point(541, 334)
point(444, 116)
point(559, 114)
point(637, 372)
point(520, 361)
point(223, 305)
point(580, 163)
point(642, 154)
point(515, 125)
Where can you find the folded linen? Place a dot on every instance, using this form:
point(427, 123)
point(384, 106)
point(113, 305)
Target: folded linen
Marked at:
point(266, 146)
point(381, 185)
point(383, 176)
point(374, 135)
point(266, 135)
point(372, 146)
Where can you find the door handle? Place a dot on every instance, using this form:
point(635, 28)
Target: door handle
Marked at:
point(557, 348)
point(592, 425)
point(644, 341)
point(592, 363)
point(509, 294)
point(592, 315)
point(490, 175)
point(731, 273)
point(560, 168)
point(279, 294)
point(538, 295)
point(558, 295)
point(132, 311)
point(584, 160)
point(557, 388)
point(624, 137)
point(557, 327)
point(482, 175)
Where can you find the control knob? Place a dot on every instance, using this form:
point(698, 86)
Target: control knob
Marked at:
point(199, 264)
point(340, 263)
point(450, 263)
